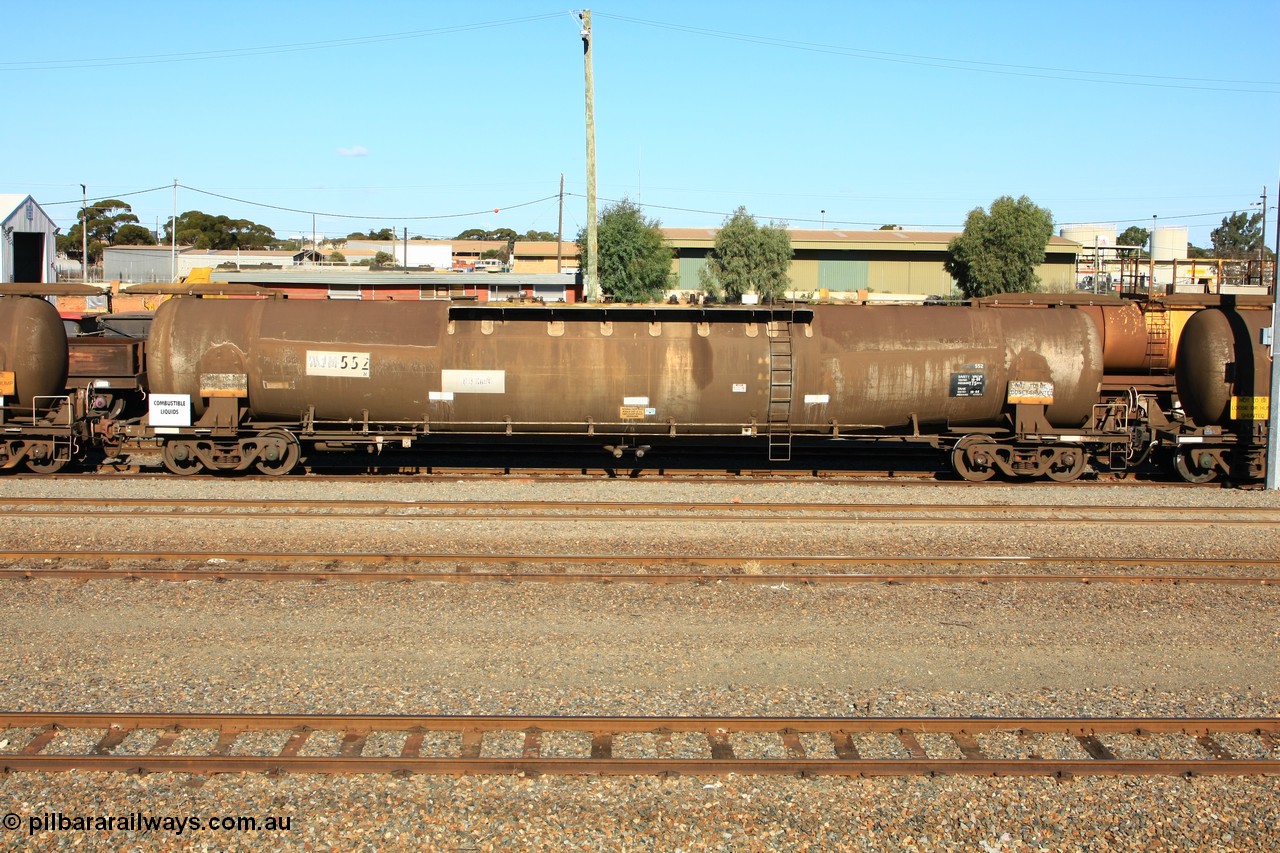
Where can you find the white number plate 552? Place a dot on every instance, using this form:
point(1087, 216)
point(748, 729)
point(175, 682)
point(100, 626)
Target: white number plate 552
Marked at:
point(321, 363)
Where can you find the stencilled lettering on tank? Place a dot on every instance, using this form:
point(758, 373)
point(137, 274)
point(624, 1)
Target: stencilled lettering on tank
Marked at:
point(327, 363)
point(474, 381)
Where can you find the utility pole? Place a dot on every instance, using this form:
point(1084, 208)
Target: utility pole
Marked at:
point(84, 234)
point(173, 236)
point(1151, 280)
point(1273, 415)
point(560, 228)
point(1262, 243)
point(590, 283)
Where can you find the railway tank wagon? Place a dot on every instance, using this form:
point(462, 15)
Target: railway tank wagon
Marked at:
point(264, 380)
point(35, 415)
point(1224, 379)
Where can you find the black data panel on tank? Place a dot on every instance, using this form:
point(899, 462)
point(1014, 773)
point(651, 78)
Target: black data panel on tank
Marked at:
point(968, 384)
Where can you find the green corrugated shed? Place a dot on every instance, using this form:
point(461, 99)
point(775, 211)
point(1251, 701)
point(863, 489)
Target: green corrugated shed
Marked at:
point(690, 268)
point(842, 276)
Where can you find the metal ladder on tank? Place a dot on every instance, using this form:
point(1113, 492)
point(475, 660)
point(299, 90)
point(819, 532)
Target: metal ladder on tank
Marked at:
point(781, 377)
point(1158, 340)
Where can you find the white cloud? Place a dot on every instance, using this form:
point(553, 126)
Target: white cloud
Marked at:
point(354, 151)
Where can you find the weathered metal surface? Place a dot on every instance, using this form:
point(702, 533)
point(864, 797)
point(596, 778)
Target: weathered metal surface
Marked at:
point(33, 345)
point(105, 358)
point(647, 372)
point(351, 361)
point(881, 365)
point(749, 512)
point(647, 578)
point(1223, 370)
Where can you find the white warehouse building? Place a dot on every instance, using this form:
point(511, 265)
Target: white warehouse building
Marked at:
point(28, 247)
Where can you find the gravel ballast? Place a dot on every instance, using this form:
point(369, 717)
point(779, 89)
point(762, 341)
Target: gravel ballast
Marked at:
point(530, 648)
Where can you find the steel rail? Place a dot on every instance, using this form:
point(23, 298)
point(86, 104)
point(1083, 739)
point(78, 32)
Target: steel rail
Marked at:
point(632, 510)
point(647, 578)
point(737, 560)
point(1083, 736)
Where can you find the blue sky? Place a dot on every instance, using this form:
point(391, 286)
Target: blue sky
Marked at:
point(428, 115)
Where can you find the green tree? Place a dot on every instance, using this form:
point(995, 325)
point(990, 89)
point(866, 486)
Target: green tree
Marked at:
point(634, 261)
point(337, 258)
point(1239, 236)
point(507, 234)
point(205, 231)
point(998, 251)
point(1133, 236)
point(748, 258)
point(383, 259)
point(101, 220)
point(384, 234)
point(130, 234)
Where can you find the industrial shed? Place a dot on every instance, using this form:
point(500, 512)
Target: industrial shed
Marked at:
point(894, 263)
point(28, 248)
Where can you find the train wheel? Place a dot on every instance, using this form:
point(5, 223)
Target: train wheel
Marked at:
point(278, 452)
point(50, 465)
point(1189, 469)
point(180, 457)
point(1068, 464)
point(974, 458)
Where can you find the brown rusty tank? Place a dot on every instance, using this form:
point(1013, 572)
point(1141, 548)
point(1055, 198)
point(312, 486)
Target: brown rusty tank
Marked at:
point(345, 359)
point(1127, 343)
point(1224, 373)
point(880, 365)
point(33, 346)
point(649, 370)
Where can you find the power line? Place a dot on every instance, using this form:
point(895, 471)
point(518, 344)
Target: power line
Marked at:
point(263, 50)
point(846, 222)
point(77, 201)
point(1068, 74)
point(364, 216)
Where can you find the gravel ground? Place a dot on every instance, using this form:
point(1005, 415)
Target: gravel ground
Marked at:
point(629, 649)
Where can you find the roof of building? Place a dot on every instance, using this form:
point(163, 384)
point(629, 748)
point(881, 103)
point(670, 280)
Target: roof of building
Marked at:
point(385, 278)
point(545, 248)
point(829, 238)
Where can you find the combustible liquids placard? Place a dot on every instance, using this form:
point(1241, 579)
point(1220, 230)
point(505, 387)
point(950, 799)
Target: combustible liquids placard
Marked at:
point(169, 409)
point(323, 363)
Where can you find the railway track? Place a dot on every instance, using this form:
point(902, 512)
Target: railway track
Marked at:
point(634, 511)
point(845, 746)
point(568, 568)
